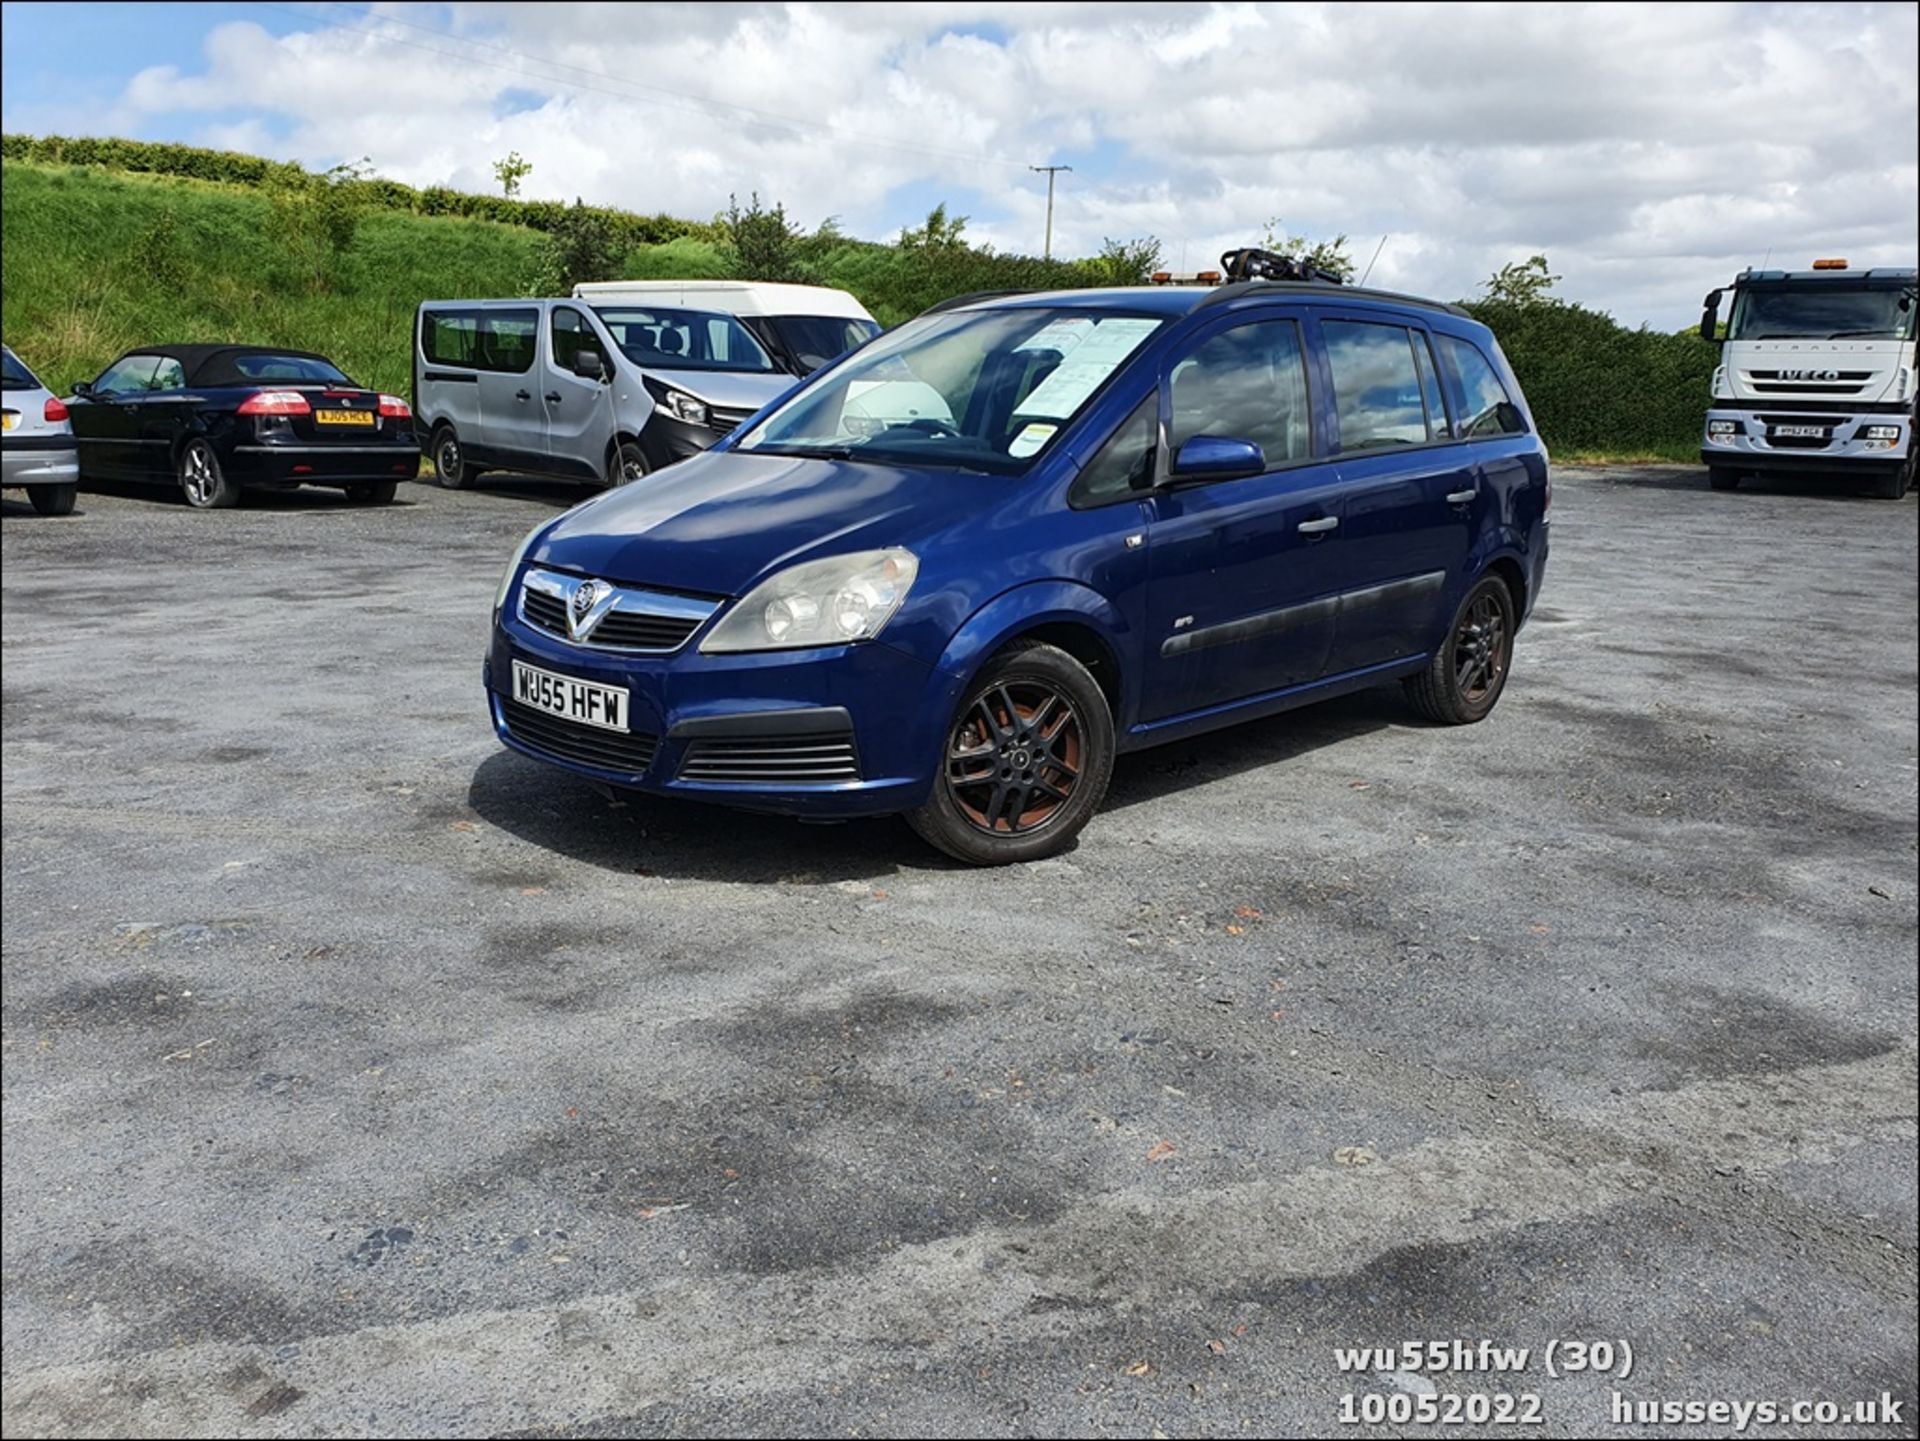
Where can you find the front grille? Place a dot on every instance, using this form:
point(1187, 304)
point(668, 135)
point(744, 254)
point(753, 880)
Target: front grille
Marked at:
point(630, 630)
point(547, 612)
point(790, 760)
point(627, 754)
point(725, 420)
point(619, 628)
point(1799, 442)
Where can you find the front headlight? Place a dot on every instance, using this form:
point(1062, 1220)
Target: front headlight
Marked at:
point(818, 602)
point(513, 568)
point(1882, 432)
point(681, 406)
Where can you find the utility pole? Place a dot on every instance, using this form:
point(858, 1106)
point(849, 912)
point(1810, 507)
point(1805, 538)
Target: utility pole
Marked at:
point(1050, 171)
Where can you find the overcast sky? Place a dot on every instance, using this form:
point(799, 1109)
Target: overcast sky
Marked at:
point(1648, 150)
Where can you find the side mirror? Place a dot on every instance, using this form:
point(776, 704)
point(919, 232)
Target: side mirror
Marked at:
point(83, 389)
point(1217, 457)
point(588, 365)
point(1710, 317)
point(1511, 421)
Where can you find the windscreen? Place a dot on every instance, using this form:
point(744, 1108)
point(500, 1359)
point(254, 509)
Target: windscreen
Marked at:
point(980, 390)
point(663, 339)
point(1821, 311)
point(815, 340)
point(17, 376)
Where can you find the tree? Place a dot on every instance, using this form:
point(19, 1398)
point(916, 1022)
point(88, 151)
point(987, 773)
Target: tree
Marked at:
point(582, 246)
point(1328, 255)
point(1124, 262)
point(759, 243)
point(942, 232)
point(510, 171)
point(1524, 282)
point(315, 217)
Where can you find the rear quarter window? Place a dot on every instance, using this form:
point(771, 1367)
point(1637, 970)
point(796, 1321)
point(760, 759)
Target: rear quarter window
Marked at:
point(451, 337)
point(1481, 403)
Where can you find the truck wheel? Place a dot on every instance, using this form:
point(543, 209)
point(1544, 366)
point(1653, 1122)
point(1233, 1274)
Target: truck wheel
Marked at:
point(1467, 674)
point(450, 466)
point(1026, 761)
point(1890, 486)
point(53, 499)
point(1720, 478)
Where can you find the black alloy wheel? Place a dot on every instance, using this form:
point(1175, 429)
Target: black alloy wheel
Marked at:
point(1466, 675)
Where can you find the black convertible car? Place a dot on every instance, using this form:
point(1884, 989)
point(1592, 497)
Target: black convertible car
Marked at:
point(215, 418)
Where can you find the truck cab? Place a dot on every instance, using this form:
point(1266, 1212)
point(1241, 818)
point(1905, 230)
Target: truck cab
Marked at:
point(1816, 376)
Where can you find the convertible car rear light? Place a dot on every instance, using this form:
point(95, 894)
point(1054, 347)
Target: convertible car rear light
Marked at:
point(395, 407)
point(275, 402)
point(56, 409)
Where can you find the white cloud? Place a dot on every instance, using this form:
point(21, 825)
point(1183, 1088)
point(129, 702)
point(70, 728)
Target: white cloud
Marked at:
point(1649, 150)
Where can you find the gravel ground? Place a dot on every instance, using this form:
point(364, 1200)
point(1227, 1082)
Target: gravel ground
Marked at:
point(362, 1078)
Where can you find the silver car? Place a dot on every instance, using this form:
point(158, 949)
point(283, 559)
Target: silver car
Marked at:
point(581, 392)
point(37, 451)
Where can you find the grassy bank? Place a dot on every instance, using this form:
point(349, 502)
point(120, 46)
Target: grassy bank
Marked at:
point(95, 262)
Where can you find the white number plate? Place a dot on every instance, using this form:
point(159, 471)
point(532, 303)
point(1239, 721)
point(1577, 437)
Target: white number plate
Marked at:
point(604, 706)
point(1801, 432)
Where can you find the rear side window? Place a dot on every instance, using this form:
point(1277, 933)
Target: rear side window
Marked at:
point(1124, 465)
point(1377, 390)
point(507, 339)
point(451, 337)
point(1481, 401)
point(1248, 383)
point(168, 375)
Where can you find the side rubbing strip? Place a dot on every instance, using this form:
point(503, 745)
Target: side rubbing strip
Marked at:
point(1270, 622)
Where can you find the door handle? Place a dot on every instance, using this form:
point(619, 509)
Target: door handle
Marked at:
point(1317, 527)
point(523, 395)
point(553, 396)
point(1461, 497)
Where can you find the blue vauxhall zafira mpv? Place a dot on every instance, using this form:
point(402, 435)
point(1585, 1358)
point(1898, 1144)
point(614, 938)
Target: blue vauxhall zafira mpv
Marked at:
point(957, 572)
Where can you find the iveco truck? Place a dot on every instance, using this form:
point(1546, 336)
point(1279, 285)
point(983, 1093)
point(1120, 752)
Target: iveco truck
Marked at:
point(1816, 376)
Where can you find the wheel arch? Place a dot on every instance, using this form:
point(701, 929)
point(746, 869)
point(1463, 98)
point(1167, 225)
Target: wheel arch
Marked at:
point(1073, 617)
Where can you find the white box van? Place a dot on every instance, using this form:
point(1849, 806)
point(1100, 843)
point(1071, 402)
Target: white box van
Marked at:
point(607, 389)
point(802, 326)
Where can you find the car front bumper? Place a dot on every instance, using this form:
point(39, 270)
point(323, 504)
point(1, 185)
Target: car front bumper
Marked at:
point(1845, 449)
point(664, 440)
point(39, 460)
point(761, 719)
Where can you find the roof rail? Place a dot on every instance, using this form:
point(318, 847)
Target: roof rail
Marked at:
point(954, 302)
point(1320, 289)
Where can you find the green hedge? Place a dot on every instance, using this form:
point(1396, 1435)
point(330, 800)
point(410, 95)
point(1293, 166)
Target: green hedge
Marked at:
point(1597, 387)
point(228, 167)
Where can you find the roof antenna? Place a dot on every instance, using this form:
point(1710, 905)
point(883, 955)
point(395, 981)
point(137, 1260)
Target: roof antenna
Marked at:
point(1376, 255)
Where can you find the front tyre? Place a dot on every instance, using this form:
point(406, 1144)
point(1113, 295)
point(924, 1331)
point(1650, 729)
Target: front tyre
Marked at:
point(53, 499)
point(626, 464)
point(1721, 478)
point(1467, 674)
point(203, 481)
point(1025, 763)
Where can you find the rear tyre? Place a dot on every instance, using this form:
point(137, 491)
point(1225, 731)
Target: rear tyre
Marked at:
point(373, 492)
point(450, 466)
point(53, 499)
point(1720, 478)
point(203, 481)
point(627, 464)
point(1026, 760)
point(1465, 677)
